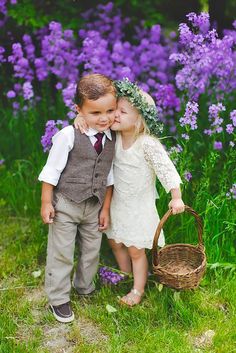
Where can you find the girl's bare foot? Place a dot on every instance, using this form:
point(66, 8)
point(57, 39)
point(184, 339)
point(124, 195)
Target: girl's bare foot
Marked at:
point(134, 297)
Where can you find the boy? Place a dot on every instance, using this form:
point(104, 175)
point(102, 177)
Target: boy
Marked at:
point(76, 178)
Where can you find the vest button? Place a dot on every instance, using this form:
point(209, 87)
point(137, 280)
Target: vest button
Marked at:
point(95, 190)
point(96, 175)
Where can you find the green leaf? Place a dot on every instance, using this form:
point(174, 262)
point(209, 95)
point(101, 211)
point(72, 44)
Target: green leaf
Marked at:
point(215, 265)
point(176, 296)
point(110, 308)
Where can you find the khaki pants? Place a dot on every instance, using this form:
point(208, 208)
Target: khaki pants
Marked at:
point(72, 217)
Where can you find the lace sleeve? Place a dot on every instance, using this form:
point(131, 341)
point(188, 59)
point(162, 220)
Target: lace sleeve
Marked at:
point(158, 159)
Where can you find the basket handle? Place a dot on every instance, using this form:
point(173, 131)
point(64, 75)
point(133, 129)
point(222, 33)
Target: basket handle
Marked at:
point(161, 224)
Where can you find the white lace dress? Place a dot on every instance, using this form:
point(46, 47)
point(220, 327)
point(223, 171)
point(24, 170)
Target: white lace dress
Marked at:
point(134, 217)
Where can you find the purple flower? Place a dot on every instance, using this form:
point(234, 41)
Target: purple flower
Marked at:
point(52, 127)
point(41, 68)
point(17, 87)
point(175, 149)
point(28, 90)
point(71, 115)
point(215, 119)
point(218, 145)
point(207, 63)
point(190, 116)
point(59, 85)
point(2, 51)
point(107, 276)
point(21, 65)
point(233, 117)
point(3, 9)
point(60, 55)
point(16, 105)
point(215, 109)
point(185, 136)
point(232, 192)
point(187, 176)
point(208, 132)
point(68, 94)
point(29, 47)
point(229, 128)
point(2, 161)
point(202, 21)
point(11, 94)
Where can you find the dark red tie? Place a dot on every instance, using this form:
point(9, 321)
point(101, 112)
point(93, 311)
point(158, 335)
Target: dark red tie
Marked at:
point(98, 143)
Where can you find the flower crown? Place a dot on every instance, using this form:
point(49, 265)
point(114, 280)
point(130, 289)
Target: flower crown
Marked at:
point(127, 89)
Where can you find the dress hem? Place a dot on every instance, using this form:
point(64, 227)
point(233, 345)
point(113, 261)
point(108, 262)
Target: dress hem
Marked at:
point(129, 244)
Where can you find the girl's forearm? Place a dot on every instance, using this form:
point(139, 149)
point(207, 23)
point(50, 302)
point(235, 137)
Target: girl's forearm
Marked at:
point(176, 193)
point(108, 196)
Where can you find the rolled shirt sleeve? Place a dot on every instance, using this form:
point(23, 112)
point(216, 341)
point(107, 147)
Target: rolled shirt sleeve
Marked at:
point(62, 143)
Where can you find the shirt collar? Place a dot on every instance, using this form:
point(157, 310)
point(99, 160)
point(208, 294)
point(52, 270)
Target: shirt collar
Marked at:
point(92, 132)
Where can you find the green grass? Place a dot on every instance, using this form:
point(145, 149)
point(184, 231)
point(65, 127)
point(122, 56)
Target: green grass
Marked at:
point(164, 322)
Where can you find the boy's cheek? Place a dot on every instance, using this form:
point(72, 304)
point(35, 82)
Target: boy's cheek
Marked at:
point(112, 119)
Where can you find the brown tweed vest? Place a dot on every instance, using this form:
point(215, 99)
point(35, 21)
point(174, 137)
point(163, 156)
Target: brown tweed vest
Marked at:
point(85, 174)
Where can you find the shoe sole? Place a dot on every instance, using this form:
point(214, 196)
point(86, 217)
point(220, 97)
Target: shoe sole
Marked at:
point(62, 319)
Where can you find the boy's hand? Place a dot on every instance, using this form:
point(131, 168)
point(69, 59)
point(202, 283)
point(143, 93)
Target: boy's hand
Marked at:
point(104, 219)
point(80, 124)
point(47, 213)
point(177, 206)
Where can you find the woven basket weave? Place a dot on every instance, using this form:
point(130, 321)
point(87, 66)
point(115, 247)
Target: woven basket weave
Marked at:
point(179, 266)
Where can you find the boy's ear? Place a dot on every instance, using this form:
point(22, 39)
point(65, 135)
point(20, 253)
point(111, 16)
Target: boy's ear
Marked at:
point(77, 108)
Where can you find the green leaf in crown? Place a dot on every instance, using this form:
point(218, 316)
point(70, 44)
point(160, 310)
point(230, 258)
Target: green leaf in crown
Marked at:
point(127, 89)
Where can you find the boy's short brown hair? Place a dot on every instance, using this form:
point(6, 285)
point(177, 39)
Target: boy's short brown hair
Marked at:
point(93, 87)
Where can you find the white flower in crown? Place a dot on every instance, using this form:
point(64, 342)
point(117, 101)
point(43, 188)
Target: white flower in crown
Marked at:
point(127, 89)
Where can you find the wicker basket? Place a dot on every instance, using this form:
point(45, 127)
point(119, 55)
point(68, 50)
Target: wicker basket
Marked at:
point(179, 266)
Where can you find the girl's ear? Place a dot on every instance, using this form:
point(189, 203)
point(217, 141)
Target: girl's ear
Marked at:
point(138, 124)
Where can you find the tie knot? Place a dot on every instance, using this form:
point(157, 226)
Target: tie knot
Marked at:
point(99, 136)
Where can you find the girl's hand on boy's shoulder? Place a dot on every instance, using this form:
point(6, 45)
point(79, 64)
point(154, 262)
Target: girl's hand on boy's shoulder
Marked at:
point(47, 213)
point(80, 123)
point(177, 206)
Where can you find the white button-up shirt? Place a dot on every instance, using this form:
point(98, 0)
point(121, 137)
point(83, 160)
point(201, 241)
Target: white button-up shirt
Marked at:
point(63, 142)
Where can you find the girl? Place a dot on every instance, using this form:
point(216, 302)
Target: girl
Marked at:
point(139, 158)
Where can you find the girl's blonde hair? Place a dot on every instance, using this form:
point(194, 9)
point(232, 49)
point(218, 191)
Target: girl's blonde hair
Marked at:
point(142, 127)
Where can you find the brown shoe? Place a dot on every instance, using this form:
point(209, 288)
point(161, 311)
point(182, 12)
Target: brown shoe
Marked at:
point(63, 312)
